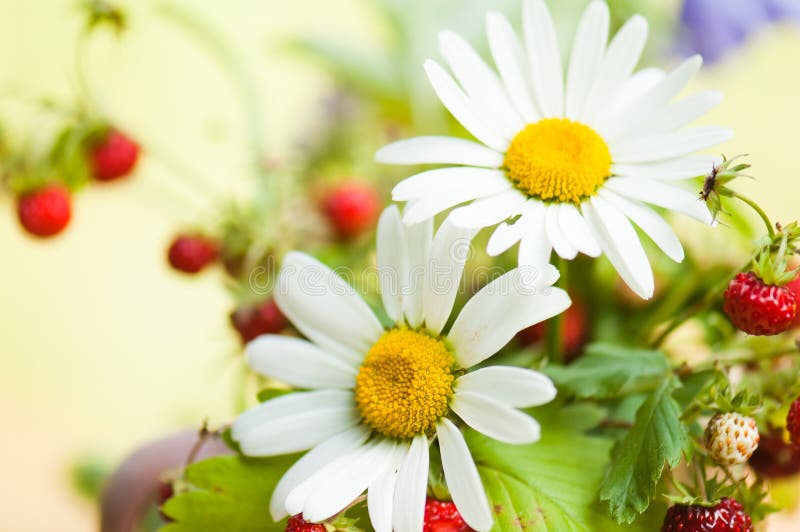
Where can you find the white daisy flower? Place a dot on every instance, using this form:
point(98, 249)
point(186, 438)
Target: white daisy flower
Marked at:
point(575, 161)
point(378, 397)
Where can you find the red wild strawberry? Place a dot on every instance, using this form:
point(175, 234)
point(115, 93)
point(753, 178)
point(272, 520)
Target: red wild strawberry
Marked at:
point(775, 458)
point(352, 208)
point(757, 308)
point(726, 516)
point(264, 318)
point(793, 422)
point(44, 212)
point(113, 157)
point(298, 524)
point(575, 332)
point(443, 516)
point(192, 253)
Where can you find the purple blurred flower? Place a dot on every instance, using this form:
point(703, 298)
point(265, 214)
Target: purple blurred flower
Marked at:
point(714, 27)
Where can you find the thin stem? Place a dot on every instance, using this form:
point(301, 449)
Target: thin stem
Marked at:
point(555, 329)
point(745, 359)
point(763, 215)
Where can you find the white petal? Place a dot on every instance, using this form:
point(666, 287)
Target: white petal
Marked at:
point(313, 461)
point(542, 43)
point(683, 168)
point(439, 150)
point(450, 250)
point(620, 60)
point(535, 247)
point(557, 238)
point(294, 422)
point(516, 387)
point(462, 108)
point(663, 195)
point(510, 303)
point(655, 98)
point(462, 477)
point(392, 261)
point(300, 494)
point(509, 58)
point(508, 234)
point(670, 118)
point(494, 419)
point(489, 211)
point(333, 493)
point(639, 83)
point(437, 201)
point(325, 308)
point(574, 227)
point(650, 222)
point(621, 244)
point(669, 145)
point(418, 240)
point(587, 54)
point(298, 362)
point(481, 85)
point(380, 500)
point(411, 487)
point(459, 178)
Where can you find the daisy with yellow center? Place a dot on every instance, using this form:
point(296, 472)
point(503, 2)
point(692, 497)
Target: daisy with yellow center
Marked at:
point(571, 157)
point(378, 396)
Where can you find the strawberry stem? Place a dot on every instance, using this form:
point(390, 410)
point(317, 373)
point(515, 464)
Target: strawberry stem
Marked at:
point(763, 215)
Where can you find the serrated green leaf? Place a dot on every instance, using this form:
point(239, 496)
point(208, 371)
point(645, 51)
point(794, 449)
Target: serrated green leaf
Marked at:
point(608, 370)
point(694, 385)
point(550, 485)
point(228, 493)
point(657, 437)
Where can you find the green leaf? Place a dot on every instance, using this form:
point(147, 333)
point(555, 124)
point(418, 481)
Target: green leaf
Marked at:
point(228, 493)
point(657, 437)
point(608, 370)
point(549, 485)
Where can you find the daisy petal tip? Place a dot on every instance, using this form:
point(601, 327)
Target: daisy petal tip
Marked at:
point(278, 511)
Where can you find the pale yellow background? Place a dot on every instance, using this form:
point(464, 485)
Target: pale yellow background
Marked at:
point(101, 346)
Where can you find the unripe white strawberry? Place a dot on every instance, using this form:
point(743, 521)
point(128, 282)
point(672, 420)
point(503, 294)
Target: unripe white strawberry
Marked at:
point(731, 438)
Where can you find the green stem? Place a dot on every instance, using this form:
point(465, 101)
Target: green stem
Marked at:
point(555, 329)
point(763, 215)
point(746, 359)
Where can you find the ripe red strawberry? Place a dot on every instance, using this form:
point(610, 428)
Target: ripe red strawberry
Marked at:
point(352, 208)
point(726, 516)
point(45, 212)
point(263, 318)
point(575, 332)
point(113, 157)
point(757, 308)
point(793, 422)
point(298, 524)
point(192, 253)
point(775, 458)
point(443, 516)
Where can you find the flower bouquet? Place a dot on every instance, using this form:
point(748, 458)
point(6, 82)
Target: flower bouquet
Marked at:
point(524, 341)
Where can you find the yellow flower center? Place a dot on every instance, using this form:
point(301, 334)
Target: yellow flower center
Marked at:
point(558, 160)
point(405, 383)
